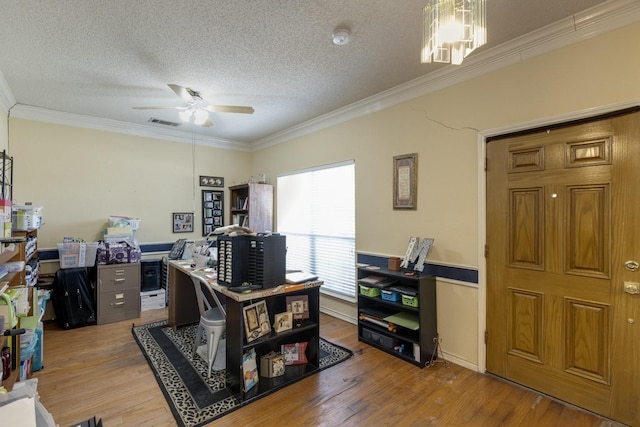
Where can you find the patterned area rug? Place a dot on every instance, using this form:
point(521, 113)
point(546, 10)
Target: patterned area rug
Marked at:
point(193, 398)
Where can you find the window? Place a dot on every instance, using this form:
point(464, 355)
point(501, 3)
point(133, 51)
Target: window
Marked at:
point(316, 211)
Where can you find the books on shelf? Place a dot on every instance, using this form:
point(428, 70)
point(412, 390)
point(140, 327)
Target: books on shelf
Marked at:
point(242, 203)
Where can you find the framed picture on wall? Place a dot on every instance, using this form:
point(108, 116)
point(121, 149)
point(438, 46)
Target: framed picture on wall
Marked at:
point(183, 222)
point(211, 181)
point(211, 210)
point(405, 181)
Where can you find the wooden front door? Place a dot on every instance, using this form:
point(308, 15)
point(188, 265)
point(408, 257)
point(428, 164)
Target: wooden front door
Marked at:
point(563, 240)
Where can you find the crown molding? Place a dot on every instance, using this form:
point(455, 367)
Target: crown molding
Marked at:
point(28, 112)
point(7, 100)
point(598, 20)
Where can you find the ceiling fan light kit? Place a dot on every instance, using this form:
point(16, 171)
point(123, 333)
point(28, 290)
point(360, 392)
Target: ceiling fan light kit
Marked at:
point(196, 108)
point(452, 29)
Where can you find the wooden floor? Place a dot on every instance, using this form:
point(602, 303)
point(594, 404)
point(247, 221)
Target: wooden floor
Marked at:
point(100, 371)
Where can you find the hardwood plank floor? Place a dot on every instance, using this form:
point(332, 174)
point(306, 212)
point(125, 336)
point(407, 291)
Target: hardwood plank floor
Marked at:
point(100, 371)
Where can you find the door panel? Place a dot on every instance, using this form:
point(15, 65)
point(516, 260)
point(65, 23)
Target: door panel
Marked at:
point(588, 230)
point(563, 218)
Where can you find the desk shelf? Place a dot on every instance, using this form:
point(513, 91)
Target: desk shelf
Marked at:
point(182, 311)
point(237, 345)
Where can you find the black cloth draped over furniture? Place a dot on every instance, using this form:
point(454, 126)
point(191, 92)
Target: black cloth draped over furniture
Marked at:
point(73, 298)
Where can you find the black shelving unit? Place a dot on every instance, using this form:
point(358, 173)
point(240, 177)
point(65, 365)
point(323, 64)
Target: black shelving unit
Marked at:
point(414, 346)
point(237, 345)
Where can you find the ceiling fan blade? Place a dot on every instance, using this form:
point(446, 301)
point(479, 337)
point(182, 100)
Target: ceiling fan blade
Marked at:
point(229, 109)
point(207, 124)
point(182, 92)
point(159, 108)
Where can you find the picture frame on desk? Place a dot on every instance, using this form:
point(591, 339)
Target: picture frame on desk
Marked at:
point(256, 320)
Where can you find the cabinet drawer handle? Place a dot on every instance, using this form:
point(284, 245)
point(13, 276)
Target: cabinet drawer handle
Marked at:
point(118, 303)
point(122, 279)
point(119, 272)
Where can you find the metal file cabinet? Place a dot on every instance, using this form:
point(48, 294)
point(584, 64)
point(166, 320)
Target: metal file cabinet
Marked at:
point(118, 292)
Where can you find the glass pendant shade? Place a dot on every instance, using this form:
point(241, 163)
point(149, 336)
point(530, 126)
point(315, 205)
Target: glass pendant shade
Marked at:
point(452, 29)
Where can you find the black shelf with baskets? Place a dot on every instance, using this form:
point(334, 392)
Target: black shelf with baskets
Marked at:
point(398, 314)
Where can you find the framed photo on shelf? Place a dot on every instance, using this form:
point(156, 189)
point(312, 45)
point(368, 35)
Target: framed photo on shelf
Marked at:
point(256, 320)
point(211, 210)
point(299, 307)
point(295, 353)
point(182, 222)
point(283, 321)
point(249, 370)
point(405, 181)
point(211, 181)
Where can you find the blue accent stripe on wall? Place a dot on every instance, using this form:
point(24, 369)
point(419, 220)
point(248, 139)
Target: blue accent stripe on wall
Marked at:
point(454, 273)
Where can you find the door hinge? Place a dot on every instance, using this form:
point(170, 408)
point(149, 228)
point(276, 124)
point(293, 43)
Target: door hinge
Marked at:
point(486, 251)
point(486, 337)
point(486, 164)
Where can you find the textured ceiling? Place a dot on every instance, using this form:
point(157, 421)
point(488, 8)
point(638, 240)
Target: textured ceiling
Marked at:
point(101, 58)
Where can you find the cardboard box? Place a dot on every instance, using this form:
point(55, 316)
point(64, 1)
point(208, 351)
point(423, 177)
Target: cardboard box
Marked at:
point(150, 300)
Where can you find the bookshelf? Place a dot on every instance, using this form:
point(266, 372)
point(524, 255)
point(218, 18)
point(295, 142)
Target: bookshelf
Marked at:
point(251, 206)
point(387, 323)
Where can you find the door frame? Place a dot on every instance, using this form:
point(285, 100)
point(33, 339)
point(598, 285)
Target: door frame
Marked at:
point(483, 135)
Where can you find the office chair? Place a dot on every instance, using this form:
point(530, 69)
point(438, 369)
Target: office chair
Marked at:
point(212, 322)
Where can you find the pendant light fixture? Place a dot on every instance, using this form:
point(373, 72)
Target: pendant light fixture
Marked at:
point(452, 29)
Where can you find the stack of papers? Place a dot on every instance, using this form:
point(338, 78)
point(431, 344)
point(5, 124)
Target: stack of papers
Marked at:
point(299, 277)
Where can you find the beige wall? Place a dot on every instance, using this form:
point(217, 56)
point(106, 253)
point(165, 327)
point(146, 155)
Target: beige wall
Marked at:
point(595, 73)
point(82, 176)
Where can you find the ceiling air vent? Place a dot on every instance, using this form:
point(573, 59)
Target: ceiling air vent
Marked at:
point(164, 122)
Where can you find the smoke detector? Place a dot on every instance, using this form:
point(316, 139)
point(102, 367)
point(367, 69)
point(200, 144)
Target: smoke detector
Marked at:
point(341, 37)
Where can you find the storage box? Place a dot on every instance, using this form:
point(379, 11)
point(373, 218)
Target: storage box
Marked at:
point(388, 295)
point(383, 340)
point(410, 300)
point(272, 365)
point(369, 291)
point(26, 217)
point(5, 209)
point(118, 253)
point(74, 254)
point(150, 300)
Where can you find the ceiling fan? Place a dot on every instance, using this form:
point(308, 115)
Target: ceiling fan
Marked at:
point(196, 108)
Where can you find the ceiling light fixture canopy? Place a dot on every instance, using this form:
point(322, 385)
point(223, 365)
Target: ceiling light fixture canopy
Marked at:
point(341, 36)
point(453, 29)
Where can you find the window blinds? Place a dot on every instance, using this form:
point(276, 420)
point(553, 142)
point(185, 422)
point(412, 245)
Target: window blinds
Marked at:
point(316, 211)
